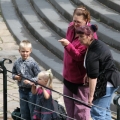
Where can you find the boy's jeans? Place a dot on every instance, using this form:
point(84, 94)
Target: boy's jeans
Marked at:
point(26, 108)
point(104, 102)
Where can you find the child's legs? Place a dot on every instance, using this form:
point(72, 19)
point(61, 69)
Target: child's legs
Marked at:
point(82, 112)
point(24, 108)
point(104, 102)
point(69, 104)
point(32, 99)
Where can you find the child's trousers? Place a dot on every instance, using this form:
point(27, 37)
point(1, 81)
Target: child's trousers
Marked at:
point(26, 108)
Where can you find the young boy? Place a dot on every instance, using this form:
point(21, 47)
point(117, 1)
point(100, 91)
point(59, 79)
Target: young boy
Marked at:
point(25, 67)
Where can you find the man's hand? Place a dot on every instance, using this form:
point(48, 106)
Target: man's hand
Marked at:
point(64, 42)
point(18, 78)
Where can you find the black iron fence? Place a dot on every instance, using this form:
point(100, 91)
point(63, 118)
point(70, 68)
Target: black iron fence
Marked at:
point(4, 71)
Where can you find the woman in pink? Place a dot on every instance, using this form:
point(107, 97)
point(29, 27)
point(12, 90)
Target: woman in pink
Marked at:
point(74, 73)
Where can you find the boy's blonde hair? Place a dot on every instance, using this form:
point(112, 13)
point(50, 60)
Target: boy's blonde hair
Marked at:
point(25, 43)
point(47, 75)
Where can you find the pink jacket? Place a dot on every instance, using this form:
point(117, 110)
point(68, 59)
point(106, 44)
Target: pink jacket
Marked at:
point(74, 53)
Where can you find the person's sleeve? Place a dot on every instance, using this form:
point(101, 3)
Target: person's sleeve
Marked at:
point(14, 72)
point(36, 70)
point(76, 53)
point(69, 27)
point(92, 65)
point(95, 35)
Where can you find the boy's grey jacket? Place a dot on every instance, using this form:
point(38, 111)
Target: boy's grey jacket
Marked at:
point(27, 68)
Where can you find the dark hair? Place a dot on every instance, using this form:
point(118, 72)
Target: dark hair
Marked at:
point(81, 10)
point(88, 30)
point(94, 28)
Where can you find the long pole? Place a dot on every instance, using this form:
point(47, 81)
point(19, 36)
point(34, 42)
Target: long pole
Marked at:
point(4, 71)
point(5, 92)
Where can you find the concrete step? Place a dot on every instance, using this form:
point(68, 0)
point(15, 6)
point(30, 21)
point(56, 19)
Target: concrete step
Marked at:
point(64, 7)
point(38, 28)
point(43, 56)
point(52, 18)
point(102, 13)
point(113, 4)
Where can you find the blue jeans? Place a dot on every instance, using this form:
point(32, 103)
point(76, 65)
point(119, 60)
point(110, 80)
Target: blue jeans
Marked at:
point(26, 109)
point(104, 102)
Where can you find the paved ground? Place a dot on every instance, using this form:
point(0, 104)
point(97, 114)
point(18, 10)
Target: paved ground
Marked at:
point(9, 49)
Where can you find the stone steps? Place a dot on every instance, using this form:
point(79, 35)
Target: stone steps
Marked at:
point(113, 4)
point(37, 28)
point(48, 22)
point(43, 56)
point(52, 18)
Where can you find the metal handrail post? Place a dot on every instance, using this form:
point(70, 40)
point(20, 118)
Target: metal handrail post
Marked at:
point(116, 101)
point(4, 71)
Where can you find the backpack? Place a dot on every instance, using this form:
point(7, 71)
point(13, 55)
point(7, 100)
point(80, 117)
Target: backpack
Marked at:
point(16, 114)
point(57, 107)
point(60, 109)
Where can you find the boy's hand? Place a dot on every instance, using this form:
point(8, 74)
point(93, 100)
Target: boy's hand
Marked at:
point(64, 42)
point(28, 82)
point(18, 78)
point(33, 90)
point(33, 85)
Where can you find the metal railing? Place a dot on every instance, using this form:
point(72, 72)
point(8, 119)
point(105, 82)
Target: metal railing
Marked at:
point(3, 70)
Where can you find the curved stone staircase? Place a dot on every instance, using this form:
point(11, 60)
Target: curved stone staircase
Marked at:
point(44, 22)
